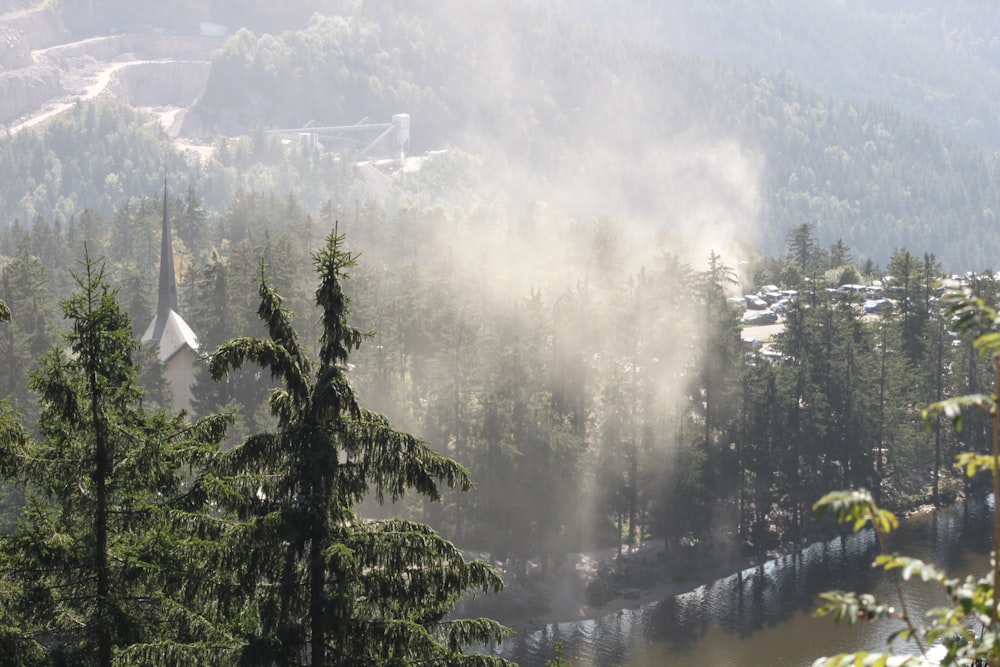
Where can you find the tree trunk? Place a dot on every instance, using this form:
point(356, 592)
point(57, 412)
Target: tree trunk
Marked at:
point(317, 567)
point(880, 453)
point(316, 595)
point(101, 471)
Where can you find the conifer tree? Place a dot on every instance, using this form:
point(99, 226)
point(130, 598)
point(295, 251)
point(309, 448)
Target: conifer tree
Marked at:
point(11, 496)
point(718, 361)
point(324, 586)
point(803, 249)
point(92, 568)
point(14, 645)
point(24, 280)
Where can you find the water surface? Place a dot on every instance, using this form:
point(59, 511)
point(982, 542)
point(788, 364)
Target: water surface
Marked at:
point(764, 615)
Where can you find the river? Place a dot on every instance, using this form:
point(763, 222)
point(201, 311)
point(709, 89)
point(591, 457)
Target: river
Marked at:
point(765, 615)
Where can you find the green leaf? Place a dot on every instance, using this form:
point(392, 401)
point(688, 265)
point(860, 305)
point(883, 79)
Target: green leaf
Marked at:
point(952, 409)
point(909, 567)
point(973, 463)
point(988, 345)
point(864, 659)
point(856, 506)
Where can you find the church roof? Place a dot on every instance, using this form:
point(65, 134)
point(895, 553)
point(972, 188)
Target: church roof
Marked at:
point(174, 335)
point(168, 328)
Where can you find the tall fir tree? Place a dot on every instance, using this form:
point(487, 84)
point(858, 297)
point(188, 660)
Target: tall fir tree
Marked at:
point(324, 585)
point(24, 280)
point(15, 644)
point(92, 565)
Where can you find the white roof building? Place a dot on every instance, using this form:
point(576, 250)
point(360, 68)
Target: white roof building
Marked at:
point(178, 344)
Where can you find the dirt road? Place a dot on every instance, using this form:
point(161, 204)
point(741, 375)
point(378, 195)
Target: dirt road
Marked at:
point(101, 79)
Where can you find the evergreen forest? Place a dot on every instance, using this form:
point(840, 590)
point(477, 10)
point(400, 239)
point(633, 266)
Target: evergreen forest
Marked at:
point(421, 378)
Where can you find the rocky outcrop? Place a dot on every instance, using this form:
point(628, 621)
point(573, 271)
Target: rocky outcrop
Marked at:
point(14, 50)
point(132, 46)
point(40, 27)
point(66, 56)
point(40, 68)
point(115, 16)
point(173, 83)
point(152, 46)
point(26, 89)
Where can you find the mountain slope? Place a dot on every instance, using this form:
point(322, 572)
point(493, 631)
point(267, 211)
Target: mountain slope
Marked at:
point(937, 61)
point(614, 127)
point(598, 116)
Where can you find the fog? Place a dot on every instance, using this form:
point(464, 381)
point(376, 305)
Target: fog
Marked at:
point(534, 261)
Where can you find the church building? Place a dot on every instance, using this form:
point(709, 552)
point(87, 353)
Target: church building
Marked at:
point(178, 344)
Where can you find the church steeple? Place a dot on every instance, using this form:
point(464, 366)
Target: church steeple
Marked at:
point(177, 343)
point(167, 300)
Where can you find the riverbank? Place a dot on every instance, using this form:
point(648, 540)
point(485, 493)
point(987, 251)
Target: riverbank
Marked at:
point(569, 587)
point(767, 619)
point(560, 595)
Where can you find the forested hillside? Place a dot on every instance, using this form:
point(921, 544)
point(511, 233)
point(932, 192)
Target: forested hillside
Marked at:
point(606, 384)
point(608, 127)
point(935, 61)
point(588, 123)
point(546, 279)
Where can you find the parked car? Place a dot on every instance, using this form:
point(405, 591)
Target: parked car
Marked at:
point(754, 302)
point(769, 293)
point(789, 294)
point(878, 306)
point(761, 317)
point(772, 355)
point(781, 305)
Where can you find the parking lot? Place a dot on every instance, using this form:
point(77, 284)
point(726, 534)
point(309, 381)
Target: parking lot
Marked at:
point(764, 331)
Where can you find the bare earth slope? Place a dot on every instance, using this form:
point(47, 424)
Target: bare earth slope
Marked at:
point(43, 72)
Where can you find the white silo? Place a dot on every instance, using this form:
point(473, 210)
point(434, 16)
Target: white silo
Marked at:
point(401, 139)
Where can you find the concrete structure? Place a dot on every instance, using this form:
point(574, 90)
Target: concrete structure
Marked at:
point(368, 139)
point(178, 344)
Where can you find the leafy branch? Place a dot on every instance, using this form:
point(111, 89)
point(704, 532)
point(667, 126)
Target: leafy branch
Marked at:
point(967, 630)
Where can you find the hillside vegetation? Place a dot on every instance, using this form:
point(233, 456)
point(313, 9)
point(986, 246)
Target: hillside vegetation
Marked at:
point(655, 133)
point(934, 61)
point(548, 277)
point(588, 121)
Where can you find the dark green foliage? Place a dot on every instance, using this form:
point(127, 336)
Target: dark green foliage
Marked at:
point(803, 250)
point(25, 280)
point(599, 374)
point(11, 496)
point(829, 161)
point(314, 577)
point(97, 562)
point(849, 168)
point(91, 157)
point(632, 383)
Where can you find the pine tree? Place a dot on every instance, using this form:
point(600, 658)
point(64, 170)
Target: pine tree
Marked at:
point(95, 561)
point(803, 250)
point(192, 221)
point(15, 644)
point(24, 280)
point(965, 626)
point(803, 408)
point(719, 357)
point(325, 586)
